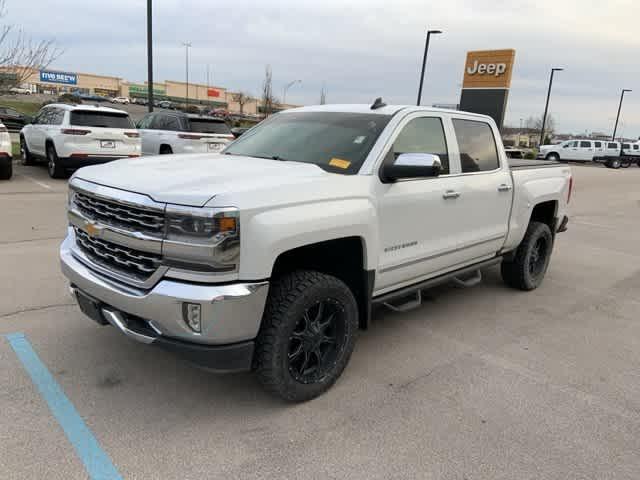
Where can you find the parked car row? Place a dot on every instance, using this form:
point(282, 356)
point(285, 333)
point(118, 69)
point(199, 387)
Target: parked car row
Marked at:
point(68, 137)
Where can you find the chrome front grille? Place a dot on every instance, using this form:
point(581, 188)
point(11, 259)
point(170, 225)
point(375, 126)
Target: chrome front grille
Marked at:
point(124, 260)
point(120, 215)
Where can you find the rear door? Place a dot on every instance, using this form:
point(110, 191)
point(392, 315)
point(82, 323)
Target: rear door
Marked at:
point(486, 190)
point(166, 127)
point(36, 135)
point(586, 151)
point(104, 133)
point(146, 134)
point(613, 149)
point(599, 148)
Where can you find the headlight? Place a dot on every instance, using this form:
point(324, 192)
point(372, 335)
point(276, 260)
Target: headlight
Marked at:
point(203, 239)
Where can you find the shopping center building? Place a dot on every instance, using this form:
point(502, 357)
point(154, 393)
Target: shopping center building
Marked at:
point(56, 82)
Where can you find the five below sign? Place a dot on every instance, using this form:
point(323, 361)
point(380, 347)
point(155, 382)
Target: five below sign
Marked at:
point(488, 69)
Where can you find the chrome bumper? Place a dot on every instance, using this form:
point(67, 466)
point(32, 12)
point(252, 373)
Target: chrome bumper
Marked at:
point(230, 313)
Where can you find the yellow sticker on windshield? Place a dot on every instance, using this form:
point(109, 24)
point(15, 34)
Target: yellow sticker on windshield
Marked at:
point(338, 162)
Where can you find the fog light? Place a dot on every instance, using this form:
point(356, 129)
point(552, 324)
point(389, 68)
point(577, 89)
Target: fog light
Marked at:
point(192, 316)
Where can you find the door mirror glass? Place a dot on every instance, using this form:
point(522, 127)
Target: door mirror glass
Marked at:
point(412, 165)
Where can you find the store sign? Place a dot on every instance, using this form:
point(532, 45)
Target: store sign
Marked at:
point(488, 69)
point(143, 90)
point(58, 77)
point(212, 92)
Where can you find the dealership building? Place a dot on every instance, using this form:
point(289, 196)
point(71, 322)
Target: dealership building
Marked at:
point(55, 82)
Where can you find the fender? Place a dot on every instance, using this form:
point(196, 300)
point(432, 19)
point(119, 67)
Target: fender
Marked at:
point(268, 234)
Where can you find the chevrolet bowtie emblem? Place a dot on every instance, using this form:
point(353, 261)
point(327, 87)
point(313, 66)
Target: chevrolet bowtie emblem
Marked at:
point(93, 230)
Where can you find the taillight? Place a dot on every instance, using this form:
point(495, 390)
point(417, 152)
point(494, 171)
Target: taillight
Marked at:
point(75, 131)
point(133, 156)
point(191, 136)
point(570, 189)
point(132, 134)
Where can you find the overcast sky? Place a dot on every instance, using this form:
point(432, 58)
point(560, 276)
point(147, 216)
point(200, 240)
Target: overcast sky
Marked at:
point(364, 49)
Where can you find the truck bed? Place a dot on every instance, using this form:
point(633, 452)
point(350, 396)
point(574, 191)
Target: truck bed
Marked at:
point(520, 163)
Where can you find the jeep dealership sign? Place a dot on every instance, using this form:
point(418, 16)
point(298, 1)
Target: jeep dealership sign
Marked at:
point(486, 82)
point(488, 69)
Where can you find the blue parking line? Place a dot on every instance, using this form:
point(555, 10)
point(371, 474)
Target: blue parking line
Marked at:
point(95, 460)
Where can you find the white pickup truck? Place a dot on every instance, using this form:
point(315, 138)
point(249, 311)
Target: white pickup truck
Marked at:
point(269, 256)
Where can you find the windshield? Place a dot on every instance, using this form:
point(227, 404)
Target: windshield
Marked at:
point(203, 125)
point(336, 142)
point(82, 118)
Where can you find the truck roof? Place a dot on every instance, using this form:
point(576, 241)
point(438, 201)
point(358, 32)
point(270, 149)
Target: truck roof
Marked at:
point(386, 110)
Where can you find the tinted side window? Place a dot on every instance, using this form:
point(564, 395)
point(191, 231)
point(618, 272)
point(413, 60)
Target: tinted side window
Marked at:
point(423, 135)
point(145, 122)
point(585, 144)
point(169, 122)
point(45, 116)
point(626, 146)
point(612, 145)
point(635, 147)
point(56, 117)
point(598, 144)
point(478, 151)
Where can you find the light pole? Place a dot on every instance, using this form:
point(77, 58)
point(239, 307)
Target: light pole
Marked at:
point(546, 108)
point(187, 45)
point(424, 62)
point(149, 56)
point(287, 87)
point(615, 129)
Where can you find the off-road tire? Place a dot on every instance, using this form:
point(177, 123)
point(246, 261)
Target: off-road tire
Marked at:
point(290, 298)
point(517, 272)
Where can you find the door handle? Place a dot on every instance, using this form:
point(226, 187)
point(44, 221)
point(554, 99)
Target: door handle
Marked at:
point(450, 194)
point(504, 188)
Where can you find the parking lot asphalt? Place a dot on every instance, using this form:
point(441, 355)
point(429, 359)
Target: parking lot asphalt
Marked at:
point(478, 383)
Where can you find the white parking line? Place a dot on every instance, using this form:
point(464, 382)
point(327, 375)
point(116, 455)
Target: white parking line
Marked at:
point(43, 185)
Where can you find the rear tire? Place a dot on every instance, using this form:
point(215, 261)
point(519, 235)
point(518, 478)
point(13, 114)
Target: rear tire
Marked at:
point(307, 335)
point(54, 167)
point(529, 265)
point(615, 163)
point(26, 157)
point(6, 169)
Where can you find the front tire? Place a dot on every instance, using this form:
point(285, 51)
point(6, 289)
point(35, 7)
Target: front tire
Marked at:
point(616, 163)
point(554, 157)
point(54, 167)
point(529, 265)
point(307, 336)
point(26, 157)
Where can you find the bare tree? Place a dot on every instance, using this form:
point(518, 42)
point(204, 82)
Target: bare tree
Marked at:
point(268, 99)
point(20, 54)
point(535, 123)
point(241, 98)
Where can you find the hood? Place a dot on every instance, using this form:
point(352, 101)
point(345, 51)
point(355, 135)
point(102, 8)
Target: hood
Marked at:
point(195, 179)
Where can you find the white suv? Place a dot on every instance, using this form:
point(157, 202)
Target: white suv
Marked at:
point(71, 136)
point(177, 132)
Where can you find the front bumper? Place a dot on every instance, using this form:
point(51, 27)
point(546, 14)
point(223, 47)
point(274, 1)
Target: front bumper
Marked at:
point(230, 313)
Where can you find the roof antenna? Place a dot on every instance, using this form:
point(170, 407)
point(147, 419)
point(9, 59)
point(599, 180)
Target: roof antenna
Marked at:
point(378, 104)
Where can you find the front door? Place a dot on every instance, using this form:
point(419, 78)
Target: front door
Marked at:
point(421, 220)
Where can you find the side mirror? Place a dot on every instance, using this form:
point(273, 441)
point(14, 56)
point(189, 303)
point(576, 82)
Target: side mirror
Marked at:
point(412, 165)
